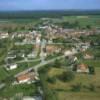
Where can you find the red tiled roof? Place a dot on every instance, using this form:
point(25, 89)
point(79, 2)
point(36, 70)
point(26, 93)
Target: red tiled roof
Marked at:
point(23, 77)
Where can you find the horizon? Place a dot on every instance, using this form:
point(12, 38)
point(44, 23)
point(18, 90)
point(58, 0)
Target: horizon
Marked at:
point(47, 5)
point(53, 10)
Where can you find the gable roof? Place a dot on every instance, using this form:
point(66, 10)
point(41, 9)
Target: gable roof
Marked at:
point(23, 77)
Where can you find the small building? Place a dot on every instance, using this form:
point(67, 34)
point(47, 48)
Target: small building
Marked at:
point(11, 66)
point(82, 68)
point(88, 56)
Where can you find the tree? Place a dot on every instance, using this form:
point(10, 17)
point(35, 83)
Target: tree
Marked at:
point(92, 43)
point(76, 24)
point(9, 80)
point(57, 64)
point(51, 80)
point(76, 87)
point(92, 87)
point(10, 30)
point(88, 27)
point(91, 70)
point(67, 76)
point(75, 67)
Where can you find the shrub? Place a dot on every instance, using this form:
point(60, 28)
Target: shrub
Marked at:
point(76, 87)
point(74, 67)
point(92, 87)
point(45, 69)
point(57, 64)
point(51, 80)
point(66, 76)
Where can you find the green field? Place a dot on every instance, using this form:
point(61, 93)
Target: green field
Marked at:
point(17, 25)
point(84, 20)
point(62, 90)
point(21, 24)
point(24, 89)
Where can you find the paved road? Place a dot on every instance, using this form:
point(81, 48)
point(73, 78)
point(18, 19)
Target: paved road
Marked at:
point(39, 65)
point(18, 62)
point(22, 43)
point(22, 61)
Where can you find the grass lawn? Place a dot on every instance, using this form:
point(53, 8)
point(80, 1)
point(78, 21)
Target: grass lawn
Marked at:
point(23, 66)
point(3, 73)
point(78, 96)
point(25, 89)
point(94, 63)
point(62, 90)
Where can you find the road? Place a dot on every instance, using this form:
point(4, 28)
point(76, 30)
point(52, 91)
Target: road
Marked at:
point(39, 65)
point(22, 43)
point(22, 61)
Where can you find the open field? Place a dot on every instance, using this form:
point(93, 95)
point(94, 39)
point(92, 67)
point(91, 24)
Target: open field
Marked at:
point(63, 90)
point(84, 20)
point(17, 25)
point(25, 24)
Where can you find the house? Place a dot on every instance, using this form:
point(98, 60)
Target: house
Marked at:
point(82, 68)
point(23, 78)
point(50, 49)
point(11, 56)
point(4, 35)
point(74, 50)
point(68, 53)
point(20, 35)
point(88, 56)
point(20, 54)
point(50, 41)
point(38, 41)
point(85, 46)
point(11, 66)
point(31, 55)
point(33, 98)
point(27, 78)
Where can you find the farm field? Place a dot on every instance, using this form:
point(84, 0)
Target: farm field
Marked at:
point(84, 20)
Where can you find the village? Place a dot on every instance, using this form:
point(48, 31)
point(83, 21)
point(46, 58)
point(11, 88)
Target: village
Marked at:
point(29, 52)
